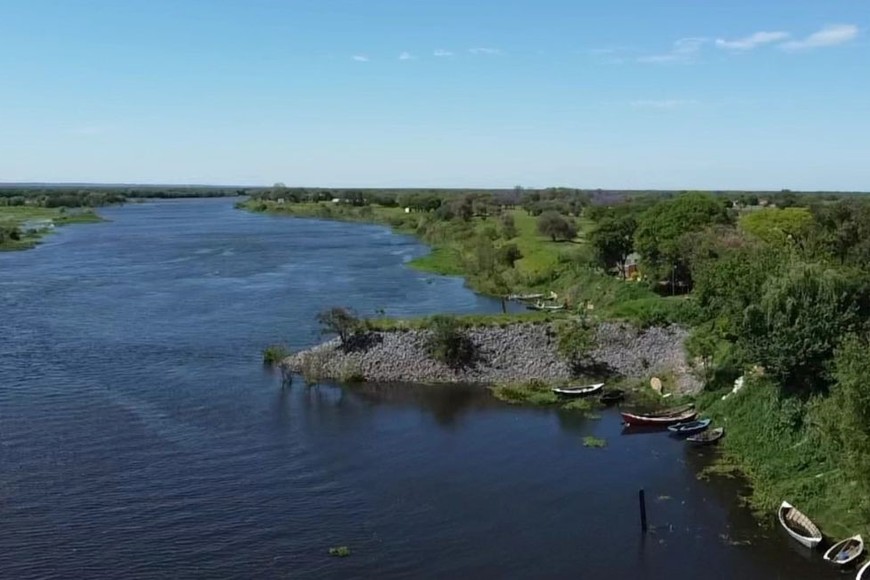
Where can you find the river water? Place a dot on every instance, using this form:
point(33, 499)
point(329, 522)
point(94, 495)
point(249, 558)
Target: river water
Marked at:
point(140, 437)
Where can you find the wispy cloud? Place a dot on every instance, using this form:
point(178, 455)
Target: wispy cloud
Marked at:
point(406, 56)
point(663, 104)
point(360, 58)
point(752, 41)
point(830, 35)
point(486, 51)
point(683, 51)
point(441, 52)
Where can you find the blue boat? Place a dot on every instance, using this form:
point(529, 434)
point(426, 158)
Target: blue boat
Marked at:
point(690, 428)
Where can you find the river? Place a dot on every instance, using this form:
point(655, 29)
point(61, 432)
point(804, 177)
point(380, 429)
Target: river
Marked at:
point(140, 437)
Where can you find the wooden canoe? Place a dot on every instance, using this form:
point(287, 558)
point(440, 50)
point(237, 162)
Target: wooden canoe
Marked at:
point(690, 428)
point(579, 391)
point(799, 526)
point(661, 418)
point(707, 437)
point(864, 572)
point(846, 551)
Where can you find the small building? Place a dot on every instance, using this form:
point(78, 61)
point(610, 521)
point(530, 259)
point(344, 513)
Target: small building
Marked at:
point(631, 268)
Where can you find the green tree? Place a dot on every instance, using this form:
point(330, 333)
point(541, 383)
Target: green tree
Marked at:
point(791, 226)
point(799, 322)
point(556, 226)
point(508, 254)
point(660, 230)
point(613, 241)
point(508, 226)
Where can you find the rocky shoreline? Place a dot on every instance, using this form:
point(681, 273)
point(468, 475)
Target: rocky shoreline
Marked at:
point(511, 354)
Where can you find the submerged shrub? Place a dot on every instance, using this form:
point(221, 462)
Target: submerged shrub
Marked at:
point(274, 354)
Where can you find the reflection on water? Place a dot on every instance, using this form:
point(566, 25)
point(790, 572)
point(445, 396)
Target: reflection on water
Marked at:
point(140, 437)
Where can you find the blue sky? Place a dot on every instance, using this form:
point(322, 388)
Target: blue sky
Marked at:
point(477, 93)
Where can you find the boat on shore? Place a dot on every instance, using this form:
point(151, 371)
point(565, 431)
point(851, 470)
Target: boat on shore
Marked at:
point(690, 427)
point(846, 551)
point(611, 396)
point(540, 305)
point(661, 418)
point(579, 391)
point(799, 526)
point(706, 437)
point(863, 573)
point(525, 297)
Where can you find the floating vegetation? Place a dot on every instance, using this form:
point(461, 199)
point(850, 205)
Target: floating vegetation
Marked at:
point(339, 551)
point(590, 441)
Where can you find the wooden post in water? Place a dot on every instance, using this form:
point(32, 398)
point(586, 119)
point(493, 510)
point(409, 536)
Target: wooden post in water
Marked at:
point(503, 306)
point(641, 496)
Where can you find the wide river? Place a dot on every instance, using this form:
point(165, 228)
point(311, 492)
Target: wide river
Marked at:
point(140, 436)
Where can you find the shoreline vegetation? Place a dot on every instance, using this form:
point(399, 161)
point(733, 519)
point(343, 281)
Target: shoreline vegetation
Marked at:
point(771, 290)
point(29, 212)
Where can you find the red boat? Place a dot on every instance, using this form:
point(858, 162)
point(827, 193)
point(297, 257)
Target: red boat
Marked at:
point(661, 418)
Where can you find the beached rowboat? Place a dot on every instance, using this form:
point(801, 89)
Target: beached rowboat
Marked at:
point(661, 418)
point(845, 551)
point(799, 526)
point(579, 391)
point(707, 437)
point(864, 572)
point(690, 428)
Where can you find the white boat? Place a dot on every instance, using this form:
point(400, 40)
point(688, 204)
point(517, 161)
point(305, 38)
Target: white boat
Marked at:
point(845, 551)
point(579, 391)
point(799, 526)
point(863, 573)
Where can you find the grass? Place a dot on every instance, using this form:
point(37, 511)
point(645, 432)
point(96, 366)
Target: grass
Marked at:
point(771, 441)
point(16, 216)
point(463, 321)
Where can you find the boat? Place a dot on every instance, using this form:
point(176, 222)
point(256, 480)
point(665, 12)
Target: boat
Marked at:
point(706, 437)
point(799, 526)
point(845, 551)
point(525, 297)
point(579, 391)
point(863, 572)
point(539, 305)
point(690, 428)
point(661, 418)
point(612, 396)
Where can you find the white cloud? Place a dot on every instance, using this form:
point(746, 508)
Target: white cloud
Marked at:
point(442, 52)
point(752, 41)
point(360, 58)
point(406, 56)
point(683, 51)
point(489, 51)
point(830, 35)
point(662, 104)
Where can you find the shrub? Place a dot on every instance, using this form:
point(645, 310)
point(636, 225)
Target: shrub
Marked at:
point(448, 343)
point(274, 354)
point(508, 254)
point(556, 226)
point(341, 321)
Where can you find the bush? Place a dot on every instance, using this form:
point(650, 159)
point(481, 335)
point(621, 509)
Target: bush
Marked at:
point(556, 226)
point(647, 312)
point(274, 354)
point(341, 321)
point(448, 343)
point(508, 254)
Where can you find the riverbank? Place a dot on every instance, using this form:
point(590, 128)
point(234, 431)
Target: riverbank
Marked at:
point(22, 227)
point(515, 353)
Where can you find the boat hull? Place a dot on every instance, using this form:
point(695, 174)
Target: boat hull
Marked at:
point(653, 421)
point(580, 392)
point(808, 541)
point(853, 547)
